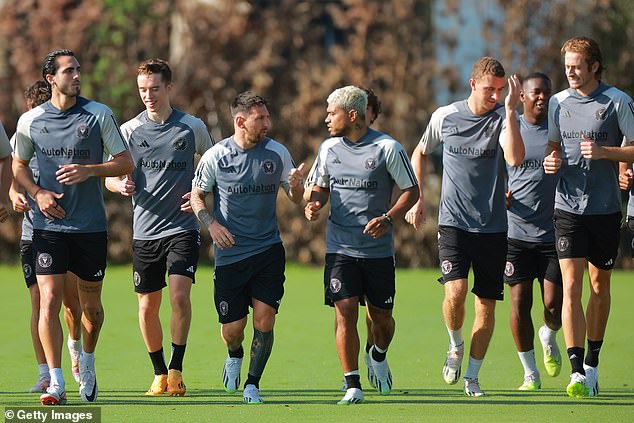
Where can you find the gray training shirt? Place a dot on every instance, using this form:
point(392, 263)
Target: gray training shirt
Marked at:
point(361, 177)
point(5, 146)
point(78, 135)
point(472, 197)
point(587, 186)
point(163, 156)
point(530, 214)
point(245, 184)
point(27, 221)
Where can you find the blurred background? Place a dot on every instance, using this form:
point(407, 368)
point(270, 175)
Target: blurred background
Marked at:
point(415, 54)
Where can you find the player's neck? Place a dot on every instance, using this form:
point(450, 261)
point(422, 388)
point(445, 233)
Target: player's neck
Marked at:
point(475, 107)
point(62, 101)
point(587, 89)
point(534, 119)
point(243, 142)
point(357, 131)
point(160, 116)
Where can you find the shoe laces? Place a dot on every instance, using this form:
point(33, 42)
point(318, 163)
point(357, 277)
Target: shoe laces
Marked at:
point(531, 378)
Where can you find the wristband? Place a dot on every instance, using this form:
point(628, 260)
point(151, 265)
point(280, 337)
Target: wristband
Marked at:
point(388, 218)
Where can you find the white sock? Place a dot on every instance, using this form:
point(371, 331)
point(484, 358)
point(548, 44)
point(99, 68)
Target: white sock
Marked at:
point(455, 339)
point(73, 345)
point(87, 360)
point(57, 378)
point(473, 368)
point(528, 361)
point(43, 370)
point(550, 335)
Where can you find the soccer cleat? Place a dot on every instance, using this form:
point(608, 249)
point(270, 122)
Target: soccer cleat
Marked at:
point(472, 388)
point(40, 386)
point(592, 380)
point(251, 395)
point(54, 395)
point(231, 374)
point(88, 388)
point(352, 396)
point(159, 385)
point(578, 386)
point(175, 385)
point(552, 355)
point(382, 375)
point(453, 364)
point(74, 361)
point(371, 374)
point(531, 383)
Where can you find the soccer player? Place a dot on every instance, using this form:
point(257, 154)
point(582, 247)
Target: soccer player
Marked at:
point(163, 142)
point(69, 134)
point(357, 169)
point(35, 95)
point(586, 126)
point(531, 237)
point(477, 135)
point(244, 172)
point(5, 172)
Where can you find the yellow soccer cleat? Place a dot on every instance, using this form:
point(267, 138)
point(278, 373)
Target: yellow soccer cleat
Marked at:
point(175, 385)
point(159, 385)
point(531, 383)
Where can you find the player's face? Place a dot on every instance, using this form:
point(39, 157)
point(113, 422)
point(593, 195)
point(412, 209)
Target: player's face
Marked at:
point(67, 79)
point(580, 75)
point(535, 95)
point(337, 121)
point(257, 124)
point(487, 90)
point(154, 92)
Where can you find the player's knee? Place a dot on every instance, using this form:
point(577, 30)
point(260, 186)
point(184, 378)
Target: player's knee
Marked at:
point(94, 314)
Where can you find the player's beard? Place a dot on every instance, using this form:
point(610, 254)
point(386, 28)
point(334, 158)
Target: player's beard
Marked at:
point(70, 91)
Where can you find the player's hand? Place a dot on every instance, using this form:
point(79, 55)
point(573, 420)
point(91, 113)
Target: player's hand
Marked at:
point(295, 176)
point(19, 202)
point(625, 179)
point(126, 186)
point(552, 163)
point(71, 174)
point(513, 96)
point(220, 235)
point(590, 149)
point(186, 206)
point(47, 202)
point(311, 211)
point(508, 196)
point(378, 227)
point(417, 215)
point(4, 213)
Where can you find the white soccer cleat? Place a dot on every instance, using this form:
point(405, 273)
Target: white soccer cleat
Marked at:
point(472, 388)
point(552, 355)
point(592, 380)
point(54, 395)
point(453, 365)
point(578, 386)
point(371, 374)
point(251, 395)
point(352, 396)
point(382, 375)
point(231, 374)
point(88, 388)
point(40, 386)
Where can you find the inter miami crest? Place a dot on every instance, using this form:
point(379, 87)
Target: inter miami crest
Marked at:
point(82, 131)
point(45, 260)
point(223, 308)
point(335, 285)
point(601, 114)
point(370, 163)
point(179, 144)
point(268, 167)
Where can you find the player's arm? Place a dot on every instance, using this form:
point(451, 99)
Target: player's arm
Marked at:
point(317, 199)
point(46, 200)
point(381, 225)
point(220, 235)
point(552, 159)
point(296, 184)
point(6, 176)
point(512, 143)
point(417, 214)
point(593, 151)
point(120, 164)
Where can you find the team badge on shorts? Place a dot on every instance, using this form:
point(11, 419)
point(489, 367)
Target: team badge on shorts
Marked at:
point(509, 269)
point(268, 167)
point(26, 269)
point(223, 308)
point(44, 260)
point(137, 279)
point(83, 131)
point(370, 163)
point(335, 285)
point(562, 244)
point(446, 267)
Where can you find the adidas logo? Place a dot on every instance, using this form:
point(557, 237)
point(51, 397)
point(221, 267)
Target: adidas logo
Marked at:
point(44, 130)
point(336, 161)
point(98, 274)
point(609, 262)
point(389, 301)
point(191, 269)
point(144, 143)
point(566, 114)
point(572, 357)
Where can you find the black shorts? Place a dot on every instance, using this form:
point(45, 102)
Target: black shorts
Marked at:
point(174, 254)
point(84, 254)
point(372, 278)
point(593, 237)
point(459, 249)
point(260, 276)
point(630, 228)
point(526, 261)
point(28, 262)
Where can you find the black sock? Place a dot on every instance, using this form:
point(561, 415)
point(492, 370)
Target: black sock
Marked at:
point(353, 381)
point(252, 380)
point(575, 355)
point(594, 348)
point(176, 361)
point(158, 361)
point(239, 353)
point(378, 356)
point(367, 347)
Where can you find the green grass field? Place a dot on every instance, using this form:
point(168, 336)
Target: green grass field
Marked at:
point(303, 376)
